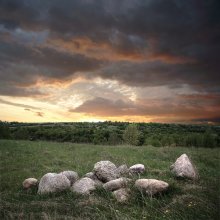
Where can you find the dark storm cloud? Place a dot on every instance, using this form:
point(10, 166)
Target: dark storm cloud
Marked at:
point(157, 74)
point(207, 120)
point(22, 66)
point(169, 107)
point(178, 39)
point(103, 107)
point(27, 107)
point(62, 63)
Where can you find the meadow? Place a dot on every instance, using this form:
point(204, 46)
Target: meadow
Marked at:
point(185, 199)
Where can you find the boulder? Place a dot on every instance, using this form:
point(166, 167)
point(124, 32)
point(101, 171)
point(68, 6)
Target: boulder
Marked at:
point(83, 186)
point(151, 186)
point(52, 182)
point(116, 184)
point(123, 170)
point(92, 176)
point(105, 171)
point(98, 183)
point(29, 183)
point(184, 168)
point(137, 169)
point(71, 175)
point(122, 195)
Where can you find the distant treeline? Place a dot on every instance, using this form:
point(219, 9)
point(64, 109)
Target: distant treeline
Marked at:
point(115, 133)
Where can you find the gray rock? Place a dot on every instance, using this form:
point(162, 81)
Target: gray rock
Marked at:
point(52, 182)
point(98, 183)
point(116, 184)
point(184, 168)
point(123, 170)
point(151, 186)
point(83, 186)
point(29, 183)
point(122, 195)
point(71, 175)
point(92, 176)
point(105, 171)
point(137, 169)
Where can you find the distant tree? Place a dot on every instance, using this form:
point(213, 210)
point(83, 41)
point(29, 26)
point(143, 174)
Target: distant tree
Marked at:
point(114, 138)
point(131, 134)
point(209, 139)
point(4, 130)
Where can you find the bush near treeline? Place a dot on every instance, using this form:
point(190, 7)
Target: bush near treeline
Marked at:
point(114, 133)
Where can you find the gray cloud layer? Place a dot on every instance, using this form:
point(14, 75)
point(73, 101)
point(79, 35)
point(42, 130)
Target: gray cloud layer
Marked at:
point(185, 29)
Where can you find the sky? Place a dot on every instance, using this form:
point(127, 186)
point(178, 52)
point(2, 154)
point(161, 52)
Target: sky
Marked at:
point(98, 60)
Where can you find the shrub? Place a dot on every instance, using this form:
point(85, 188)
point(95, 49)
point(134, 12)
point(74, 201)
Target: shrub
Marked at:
point(4, 130)
point(154, 142)
point(131, 135)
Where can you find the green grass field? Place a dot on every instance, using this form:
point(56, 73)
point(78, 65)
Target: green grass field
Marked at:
point(184, 200)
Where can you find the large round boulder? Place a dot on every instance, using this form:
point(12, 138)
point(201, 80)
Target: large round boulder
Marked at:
point(105, 171)
point(137, 169)
point(83, 186)
point(184, 168)
point(116, 184)
point(151, 186)
point(71, 175)
point(52, 182)
point(29, 183)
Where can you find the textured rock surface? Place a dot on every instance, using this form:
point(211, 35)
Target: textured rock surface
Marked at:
point(98, 183)
point(83, 186)
point(92, 176)
point(123, 170)
point(52, 182)
point(151, 186)
point(137, 169)
point(105, 171)
point(116, 184)
point(184, 168)
point(122, 195)
point(71, 175)
point(30, 182)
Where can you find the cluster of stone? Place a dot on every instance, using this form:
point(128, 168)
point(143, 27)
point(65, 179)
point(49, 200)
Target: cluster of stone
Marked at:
point(107, 175)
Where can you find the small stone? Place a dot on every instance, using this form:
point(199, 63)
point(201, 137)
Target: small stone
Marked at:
point(184, 168)
point(29, 183)
point(151, 186)
point(116, 184)
point(98, 183)
point(122, 195)
point(137, 169)
point(92, 176)
point(123, 170)
point(84, 186)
